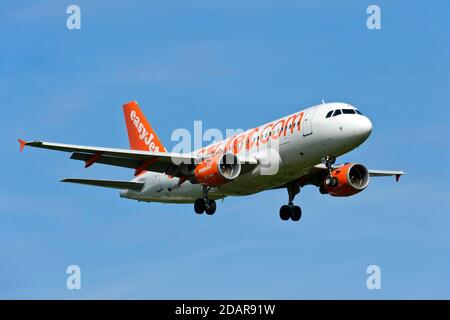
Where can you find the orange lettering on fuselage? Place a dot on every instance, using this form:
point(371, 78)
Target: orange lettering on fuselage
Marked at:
point(277, 131)
point(250, 141)
point(263, 138)
point(235, 144)
point(238, 143)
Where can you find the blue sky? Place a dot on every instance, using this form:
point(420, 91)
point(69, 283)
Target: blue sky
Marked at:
point(258, 60)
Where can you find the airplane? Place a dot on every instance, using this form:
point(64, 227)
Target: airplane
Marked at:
point(289, 153)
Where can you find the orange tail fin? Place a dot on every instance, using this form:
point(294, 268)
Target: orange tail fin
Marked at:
point(140, 133)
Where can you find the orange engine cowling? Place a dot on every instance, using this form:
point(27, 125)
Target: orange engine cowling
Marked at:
point(217, 170)
point(352, 178)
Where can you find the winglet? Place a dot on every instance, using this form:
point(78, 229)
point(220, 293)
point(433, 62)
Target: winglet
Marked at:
point(23, 143)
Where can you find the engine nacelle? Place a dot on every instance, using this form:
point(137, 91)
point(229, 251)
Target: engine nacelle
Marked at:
point(218, 170)
point(352, 178)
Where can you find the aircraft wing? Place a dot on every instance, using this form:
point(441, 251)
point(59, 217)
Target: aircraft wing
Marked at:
point(174, 164)
point(107, 183)
point(386, 173)
point(320, 168)
point(314, 175)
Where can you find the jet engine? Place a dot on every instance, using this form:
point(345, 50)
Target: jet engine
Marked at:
point(217, 170)
point(347, 180)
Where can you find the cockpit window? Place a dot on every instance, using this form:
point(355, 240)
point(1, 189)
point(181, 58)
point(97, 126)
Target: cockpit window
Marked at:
point(342, 111)
point(337, 112)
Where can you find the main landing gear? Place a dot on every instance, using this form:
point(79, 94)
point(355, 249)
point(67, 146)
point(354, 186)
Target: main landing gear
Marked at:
point(205, 205)
point(290, 211)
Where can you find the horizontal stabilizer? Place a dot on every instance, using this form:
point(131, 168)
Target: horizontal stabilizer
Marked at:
point(107, 183)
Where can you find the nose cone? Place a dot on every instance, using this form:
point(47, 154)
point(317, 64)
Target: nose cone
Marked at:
point(363, 127)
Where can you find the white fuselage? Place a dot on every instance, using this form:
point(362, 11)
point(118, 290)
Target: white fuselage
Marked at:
point(285, 149)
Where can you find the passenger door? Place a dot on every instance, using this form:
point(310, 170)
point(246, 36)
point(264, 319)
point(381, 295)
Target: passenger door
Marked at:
point(307, 122)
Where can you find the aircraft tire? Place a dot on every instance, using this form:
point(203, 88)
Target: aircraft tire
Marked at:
point(210, 208)
point(285, 212)
point(296, 213)
point(199, 206)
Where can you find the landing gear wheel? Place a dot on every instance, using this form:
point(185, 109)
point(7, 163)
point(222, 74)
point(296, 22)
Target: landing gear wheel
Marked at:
point(285, 212)
point(210, 208)
point(199, 206)
point(331, 181)
point(334, 182)
point(296, 213)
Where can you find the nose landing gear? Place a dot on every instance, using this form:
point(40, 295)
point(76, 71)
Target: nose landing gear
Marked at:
point(330, 181)
point(205, 205)
point(291, 211)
